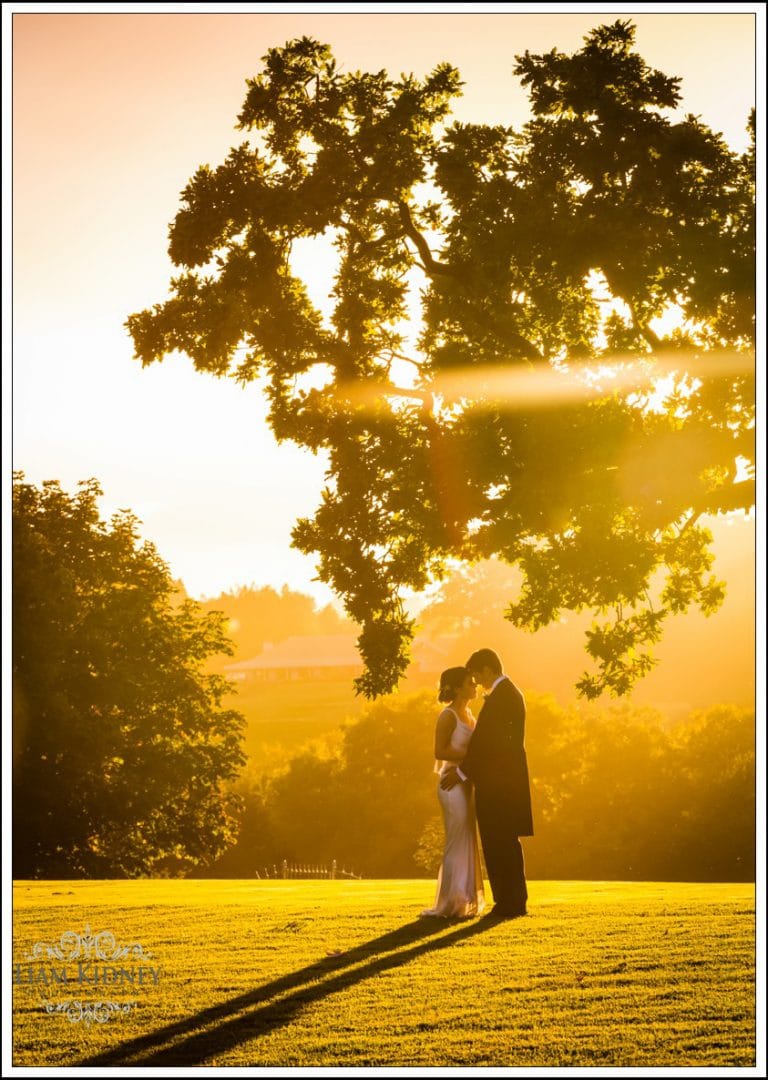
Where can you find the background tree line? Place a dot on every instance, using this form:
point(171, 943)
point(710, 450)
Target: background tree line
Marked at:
point(260, 614)
point(618, 794)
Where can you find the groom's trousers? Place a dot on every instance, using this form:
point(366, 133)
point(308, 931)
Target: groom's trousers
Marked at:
point(503, 852)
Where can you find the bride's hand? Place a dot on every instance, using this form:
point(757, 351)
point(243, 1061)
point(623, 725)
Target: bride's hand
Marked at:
point(450, 780)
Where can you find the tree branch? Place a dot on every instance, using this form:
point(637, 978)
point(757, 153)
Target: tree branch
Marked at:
point(645, 331)
point(436, 269)
point(421, 395)
point(739, 496)
point(696, 514)
point(418, 364)
point(431, 264)
point(642, 328)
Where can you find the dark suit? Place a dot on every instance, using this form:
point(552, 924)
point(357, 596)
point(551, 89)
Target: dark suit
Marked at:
point(496, 763)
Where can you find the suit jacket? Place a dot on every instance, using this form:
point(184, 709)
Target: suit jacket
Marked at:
point(496, 761)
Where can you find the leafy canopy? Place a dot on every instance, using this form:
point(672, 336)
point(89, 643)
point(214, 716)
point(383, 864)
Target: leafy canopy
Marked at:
point(487, 378)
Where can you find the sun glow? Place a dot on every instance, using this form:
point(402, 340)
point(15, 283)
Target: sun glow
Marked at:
point(650, 379)
point(127, 116)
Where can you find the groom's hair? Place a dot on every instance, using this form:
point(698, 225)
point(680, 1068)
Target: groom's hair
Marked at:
point(484, 658)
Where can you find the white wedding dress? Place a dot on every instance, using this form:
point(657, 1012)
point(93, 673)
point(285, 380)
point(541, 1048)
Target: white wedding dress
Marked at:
point(460, 880)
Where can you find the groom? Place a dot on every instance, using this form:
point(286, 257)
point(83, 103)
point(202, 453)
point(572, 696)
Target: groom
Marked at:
point(496, 763)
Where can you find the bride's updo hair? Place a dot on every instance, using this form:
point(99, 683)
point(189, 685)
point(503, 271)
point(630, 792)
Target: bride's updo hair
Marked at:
point(451, 682)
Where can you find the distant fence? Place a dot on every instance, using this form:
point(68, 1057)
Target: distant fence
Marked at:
point(302, 870)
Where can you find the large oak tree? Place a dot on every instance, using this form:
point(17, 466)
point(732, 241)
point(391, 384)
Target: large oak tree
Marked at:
point(487, 380)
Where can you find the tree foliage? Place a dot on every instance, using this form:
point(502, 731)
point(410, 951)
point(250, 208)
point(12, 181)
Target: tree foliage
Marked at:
point(618, 793)
point(484, 278)
point(122, 749)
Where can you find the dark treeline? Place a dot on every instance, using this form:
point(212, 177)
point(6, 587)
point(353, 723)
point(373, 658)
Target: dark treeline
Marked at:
point(618, 794)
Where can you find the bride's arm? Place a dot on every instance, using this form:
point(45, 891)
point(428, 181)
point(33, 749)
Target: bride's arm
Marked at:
point(446, 722)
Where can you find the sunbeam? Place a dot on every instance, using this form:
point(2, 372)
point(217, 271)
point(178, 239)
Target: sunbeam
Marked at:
point(553, 385)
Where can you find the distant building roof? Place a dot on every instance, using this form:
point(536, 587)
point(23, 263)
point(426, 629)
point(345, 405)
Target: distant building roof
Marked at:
point(329, 650)
point(429, 657)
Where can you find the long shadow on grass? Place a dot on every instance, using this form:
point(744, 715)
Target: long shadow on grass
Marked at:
point(252, 1015)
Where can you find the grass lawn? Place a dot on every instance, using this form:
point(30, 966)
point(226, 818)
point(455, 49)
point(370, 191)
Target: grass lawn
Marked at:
point(343, 973)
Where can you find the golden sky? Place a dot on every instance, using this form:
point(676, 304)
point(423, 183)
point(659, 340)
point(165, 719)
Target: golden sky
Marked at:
point(112, 114)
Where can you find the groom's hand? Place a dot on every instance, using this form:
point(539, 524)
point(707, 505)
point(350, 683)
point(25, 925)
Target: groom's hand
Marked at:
point(450, 780)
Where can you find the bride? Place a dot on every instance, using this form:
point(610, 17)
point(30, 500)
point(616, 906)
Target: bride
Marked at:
point(460, 881)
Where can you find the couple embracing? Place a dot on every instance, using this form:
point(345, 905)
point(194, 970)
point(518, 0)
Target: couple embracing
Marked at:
point(483, 784)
